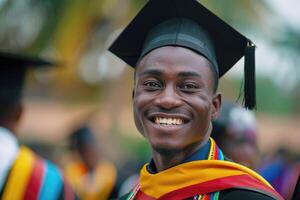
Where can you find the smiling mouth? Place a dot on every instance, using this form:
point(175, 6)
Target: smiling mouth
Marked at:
point(168, 121)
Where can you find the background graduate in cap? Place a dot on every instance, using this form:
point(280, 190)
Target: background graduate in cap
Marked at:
point(90, 175)
point(23, 174)
point(179, 50)
point(235, 132)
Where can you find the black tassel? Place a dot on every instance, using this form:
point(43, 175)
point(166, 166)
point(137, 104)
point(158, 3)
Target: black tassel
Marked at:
point(249, 72)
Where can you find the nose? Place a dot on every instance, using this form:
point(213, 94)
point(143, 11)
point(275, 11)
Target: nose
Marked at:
point(168, 98)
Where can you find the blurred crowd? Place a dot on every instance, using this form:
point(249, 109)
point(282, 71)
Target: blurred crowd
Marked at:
point(93, 176)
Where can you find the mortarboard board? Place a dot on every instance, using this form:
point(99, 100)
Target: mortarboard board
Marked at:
point(13, 70)
point(188, 24)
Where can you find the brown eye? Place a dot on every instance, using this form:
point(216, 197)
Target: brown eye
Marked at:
point(189, 87)
point(152, 85)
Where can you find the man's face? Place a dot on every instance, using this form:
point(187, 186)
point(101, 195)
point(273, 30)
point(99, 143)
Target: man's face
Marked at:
point(173, 99)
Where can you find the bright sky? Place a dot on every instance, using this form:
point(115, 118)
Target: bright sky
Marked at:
point(288, 10)
point(2, 1)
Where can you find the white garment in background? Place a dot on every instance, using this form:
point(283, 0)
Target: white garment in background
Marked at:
point(9, 149)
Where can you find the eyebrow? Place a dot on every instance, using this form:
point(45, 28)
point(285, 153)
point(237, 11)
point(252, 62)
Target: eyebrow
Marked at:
point(189, 74)
point(154, 72)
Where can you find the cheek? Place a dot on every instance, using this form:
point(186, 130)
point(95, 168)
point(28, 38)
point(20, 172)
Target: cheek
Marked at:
point(202, 109)
point(137, 120)
point(142, 100)
point(139, 105)
point(202, 106)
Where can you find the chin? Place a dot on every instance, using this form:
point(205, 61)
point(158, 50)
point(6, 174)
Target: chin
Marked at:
point(165, 148)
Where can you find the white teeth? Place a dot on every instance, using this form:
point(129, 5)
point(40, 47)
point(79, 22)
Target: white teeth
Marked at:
point(156, 120)
point(179, 121)
point(168, 121)
point(174, 121)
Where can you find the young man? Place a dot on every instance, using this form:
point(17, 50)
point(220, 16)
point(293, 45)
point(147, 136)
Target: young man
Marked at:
point(23, 174)
point(179, 49)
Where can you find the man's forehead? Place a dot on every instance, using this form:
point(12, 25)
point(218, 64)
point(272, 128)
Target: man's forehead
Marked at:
point(179, 72)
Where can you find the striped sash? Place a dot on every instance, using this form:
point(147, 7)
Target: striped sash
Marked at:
point(33, 178)
point(200, 180)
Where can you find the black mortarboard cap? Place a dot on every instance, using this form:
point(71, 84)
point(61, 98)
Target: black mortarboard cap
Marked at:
point(81, 137)
point(13, 71)
point(188, 24)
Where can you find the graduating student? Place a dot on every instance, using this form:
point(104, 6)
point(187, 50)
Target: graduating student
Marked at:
point(23, 174)
point(179, 50)
point(92, 177)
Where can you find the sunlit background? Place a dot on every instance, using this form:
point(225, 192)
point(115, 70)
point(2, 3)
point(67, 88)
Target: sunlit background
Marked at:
point(90, 85)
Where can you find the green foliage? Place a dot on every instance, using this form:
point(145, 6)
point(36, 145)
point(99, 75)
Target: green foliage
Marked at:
point(270, 98)
point(135, 146)
point(246, 14)
point(54, 10)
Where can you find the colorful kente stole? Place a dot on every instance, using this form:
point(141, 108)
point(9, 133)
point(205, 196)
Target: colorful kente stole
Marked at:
point(33, 178)
point(202, 179)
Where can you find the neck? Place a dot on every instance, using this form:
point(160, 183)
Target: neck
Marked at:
point(165, 160)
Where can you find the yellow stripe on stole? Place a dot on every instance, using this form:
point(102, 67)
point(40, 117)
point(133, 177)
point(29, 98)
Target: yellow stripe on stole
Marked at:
point(190, 173)
point(19, 176)
point(210, 155)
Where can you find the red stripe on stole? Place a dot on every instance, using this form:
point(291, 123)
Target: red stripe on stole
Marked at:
point(237, 181)
point(35, 181)
point(206, 197)
point(68, 193)
point(142, 196)
point(216, 152)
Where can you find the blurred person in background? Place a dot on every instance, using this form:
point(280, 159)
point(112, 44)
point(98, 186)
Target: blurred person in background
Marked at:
point(23, 174)
point(235, 132)
point(178, 54)
point(282, 171)
point(130, 173)
point(90, 175)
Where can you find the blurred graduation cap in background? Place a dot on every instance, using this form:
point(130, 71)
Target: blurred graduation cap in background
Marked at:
point(13, 72)
point(188, 24)
point(81, 137)
point(233, 116)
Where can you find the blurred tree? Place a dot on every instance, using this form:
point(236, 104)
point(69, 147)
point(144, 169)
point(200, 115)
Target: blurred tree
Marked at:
point(288, 44)
point(248, 15)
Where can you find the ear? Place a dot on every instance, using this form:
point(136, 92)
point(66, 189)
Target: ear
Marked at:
point(133, 93)
point(15, 117)
point(19, 111)
point(216, 106)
